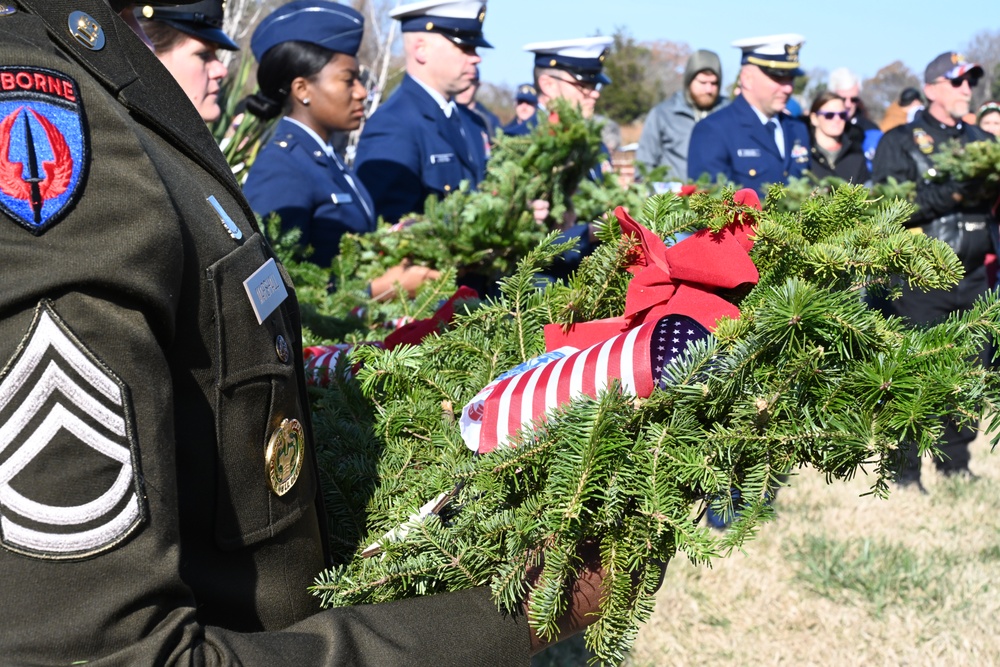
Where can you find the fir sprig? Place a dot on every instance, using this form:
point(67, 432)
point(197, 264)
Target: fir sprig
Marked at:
point(976, 160)
point(486, 230)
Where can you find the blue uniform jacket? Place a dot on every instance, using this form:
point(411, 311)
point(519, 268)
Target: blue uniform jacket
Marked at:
point(293, 177)
point(733, 142)
point(486, 119)
point(408, 151)
point(520, 128)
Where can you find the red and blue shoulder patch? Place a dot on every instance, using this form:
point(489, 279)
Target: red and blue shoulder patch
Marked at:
point(44, 146)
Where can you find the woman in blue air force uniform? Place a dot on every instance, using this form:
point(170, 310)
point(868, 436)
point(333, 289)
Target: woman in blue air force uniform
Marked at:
point(307, 68)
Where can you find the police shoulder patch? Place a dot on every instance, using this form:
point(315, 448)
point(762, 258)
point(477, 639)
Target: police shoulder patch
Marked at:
point(69, 481)
point(44, 146)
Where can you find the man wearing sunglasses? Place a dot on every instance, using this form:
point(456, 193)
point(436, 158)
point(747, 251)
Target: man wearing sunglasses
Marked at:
point(952, 211)
point(847, 84)
point(570, 70)
point(753, 142)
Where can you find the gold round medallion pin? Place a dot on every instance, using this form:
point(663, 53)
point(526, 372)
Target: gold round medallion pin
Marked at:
point(284, 455)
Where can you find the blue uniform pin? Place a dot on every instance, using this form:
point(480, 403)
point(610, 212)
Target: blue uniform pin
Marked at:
point(43, 146)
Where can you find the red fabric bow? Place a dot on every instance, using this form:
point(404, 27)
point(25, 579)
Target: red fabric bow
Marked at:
point(679, 280)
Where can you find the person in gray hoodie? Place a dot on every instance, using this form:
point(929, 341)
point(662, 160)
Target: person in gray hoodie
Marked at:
point(667, 130)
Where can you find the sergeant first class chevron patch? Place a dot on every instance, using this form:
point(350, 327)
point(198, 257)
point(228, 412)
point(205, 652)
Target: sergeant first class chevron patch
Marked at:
point(69, 481)
point(44, 149)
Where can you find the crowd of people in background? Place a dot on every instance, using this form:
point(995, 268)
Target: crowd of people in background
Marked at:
point(433, 134)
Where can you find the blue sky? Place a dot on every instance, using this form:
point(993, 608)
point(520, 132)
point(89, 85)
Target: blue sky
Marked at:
point(864, 36)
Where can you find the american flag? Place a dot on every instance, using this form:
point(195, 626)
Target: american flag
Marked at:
point(636, 357)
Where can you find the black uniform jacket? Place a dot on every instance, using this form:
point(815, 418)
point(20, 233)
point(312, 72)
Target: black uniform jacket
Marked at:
point(903, 153)
point(139, 392)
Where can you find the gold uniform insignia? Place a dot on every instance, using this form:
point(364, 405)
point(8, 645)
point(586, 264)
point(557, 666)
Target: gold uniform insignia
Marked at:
point(86, 30)
point(284, 456)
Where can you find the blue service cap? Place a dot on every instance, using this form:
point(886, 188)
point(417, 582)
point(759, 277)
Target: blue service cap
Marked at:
point(527, 93)
point(201, 19)
point(461, 21)
point(777, 55)
point(328, 24)
point(583, 58)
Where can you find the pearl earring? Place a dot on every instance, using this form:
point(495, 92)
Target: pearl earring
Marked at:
point(306, 101)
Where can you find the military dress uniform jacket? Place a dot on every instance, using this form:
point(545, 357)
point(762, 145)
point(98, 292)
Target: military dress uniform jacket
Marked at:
point(308, 190)
point(733, 142)
point(138, 525)
point(409, 150)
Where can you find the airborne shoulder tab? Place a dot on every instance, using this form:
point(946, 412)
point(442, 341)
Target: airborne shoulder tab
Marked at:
point(44, 146)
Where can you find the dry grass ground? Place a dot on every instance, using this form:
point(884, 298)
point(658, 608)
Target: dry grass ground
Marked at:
point(840, 579)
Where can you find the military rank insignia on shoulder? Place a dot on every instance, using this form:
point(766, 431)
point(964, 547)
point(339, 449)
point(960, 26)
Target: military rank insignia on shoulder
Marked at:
point(44, 146)
point(69, 481)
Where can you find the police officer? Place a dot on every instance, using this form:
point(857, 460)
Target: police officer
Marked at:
point(159, 497)
point(417, 144)
point(952, 211)
point(185, 40)
point(752, 142)
point(525, 108)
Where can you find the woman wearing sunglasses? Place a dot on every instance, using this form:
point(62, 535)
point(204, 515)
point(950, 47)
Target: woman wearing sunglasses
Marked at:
point(836, 148)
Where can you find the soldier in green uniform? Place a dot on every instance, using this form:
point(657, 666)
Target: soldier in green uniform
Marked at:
point(159, 500)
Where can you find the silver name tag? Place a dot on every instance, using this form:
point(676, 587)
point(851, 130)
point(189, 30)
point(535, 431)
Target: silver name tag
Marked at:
point(439, 158)
point(748, 152)
point(341, 198)
point(266, 290)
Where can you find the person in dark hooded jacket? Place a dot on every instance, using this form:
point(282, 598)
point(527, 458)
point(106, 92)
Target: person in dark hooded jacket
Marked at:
point(667, 131)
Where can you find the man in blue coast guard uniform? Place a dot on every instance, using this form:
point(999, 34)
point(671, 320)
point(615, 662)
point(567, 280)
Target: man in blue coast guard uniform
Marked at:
point(478, 113)
point(752, 142)
point(571, 70)
point(525, 108)
point(418, 144)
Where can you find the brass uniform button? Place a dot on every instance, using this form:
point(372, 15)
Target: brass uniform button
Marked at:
point(284, 455)
point(447, 188)
point(753, 172)
point(282, 349)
